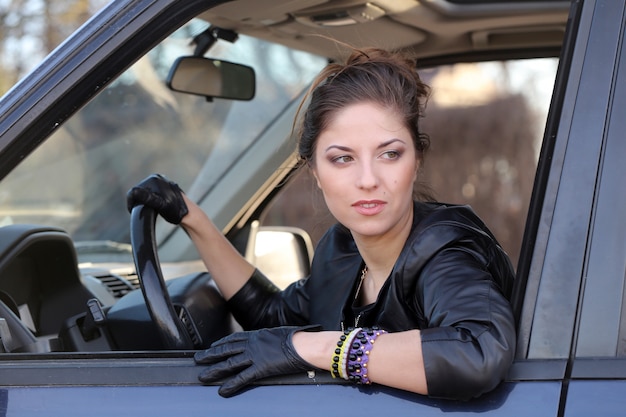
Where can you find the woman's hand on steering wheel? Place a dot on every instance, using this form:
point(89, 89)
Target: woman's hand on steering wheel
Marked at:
point(161, 194)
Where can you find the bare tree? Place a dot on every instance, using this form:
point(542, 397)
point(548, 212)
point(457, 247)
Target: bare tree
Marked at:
point(30, 29)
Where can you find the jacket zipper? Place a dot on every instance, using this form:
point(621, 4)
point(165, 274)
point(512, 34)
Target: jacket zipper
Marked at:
point(356, 322)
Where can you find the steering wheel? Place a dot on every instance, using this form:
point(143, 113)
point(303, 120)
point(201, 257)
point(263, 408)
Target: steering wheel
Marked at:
point(142, 237)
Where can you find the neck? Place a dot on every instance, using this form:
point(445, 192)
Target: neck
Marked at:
point(381, 252)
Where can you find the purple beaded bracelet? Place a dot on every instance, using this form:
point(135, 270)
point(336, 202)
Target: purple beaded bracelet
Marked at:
point(358, 355)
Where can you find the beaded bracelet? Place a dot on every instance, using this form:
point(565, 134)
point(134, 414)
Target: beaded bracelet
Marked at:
point(358, 355)
point(339, 360)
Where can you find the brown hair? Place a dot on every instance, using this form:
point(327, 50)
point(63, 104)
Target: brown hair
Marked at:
point(368, 75)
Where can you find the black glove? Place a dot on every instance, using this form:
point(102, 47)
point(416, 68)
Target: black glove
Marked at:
point(246, 357)
point(161, 194)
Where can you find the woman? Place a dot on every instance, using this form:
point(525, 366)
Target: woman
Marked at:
point(409, 294)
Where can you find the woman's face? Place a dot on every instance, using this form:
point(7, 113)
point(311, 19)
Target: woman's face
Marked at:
point(365, 163)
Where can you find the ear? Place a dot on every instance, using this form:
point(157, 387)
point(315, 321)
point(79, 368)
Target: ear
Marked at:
point(417, 169)
point(317, 180)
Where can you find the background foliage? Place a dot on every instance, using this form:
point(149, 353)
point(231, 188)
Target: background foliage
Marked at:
point(31, 29)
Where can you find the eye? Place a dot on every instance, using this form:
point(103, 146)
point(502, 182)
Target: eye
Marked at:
point(393, 154)
point(341, 159)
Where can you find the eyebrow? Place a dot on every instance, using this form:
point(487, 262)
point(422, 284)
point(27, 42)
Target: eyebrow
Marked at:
point(382, 145)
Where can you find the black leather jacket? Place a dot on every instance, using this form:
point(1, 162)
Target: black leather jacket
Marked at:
point(452, 280)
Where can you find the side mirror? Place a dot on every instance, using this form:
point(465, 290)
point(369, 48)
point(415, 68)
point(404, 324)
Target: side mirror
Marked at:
point(283, 254)
point(212, 78)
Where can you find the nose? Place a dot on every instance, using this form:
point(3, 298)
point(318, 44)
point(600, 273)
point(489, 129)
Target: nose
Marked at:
point(367, 176)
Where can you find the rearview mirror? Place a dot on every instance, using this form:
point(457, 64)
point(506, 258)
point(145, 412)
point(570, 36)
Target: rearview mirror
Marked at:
point(212, 78)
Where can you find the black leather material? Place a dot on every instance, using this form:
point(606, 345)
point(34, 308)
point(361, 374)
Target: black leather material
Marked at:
point(245, 357)
point(161, 194)
point(452, 280)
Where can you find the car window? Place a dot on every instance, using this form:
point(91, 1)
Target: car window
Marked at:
point(485, 121)
point(77, 180)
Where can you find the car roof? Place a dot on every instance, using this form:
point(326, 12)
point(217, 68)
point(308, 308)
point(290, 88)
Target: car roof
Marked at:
point(428, 29)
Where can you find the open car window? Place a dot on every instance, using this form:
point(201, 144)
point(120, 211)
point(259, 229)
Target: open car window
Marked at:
point(484, 119)
point(485, 122)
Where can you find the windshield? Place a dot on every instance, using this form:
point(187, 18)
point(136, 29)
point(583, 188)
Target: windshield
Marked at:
point(78, 179)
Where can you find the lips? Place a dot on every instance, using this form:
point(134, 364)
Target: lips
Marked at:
point(369, 207)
